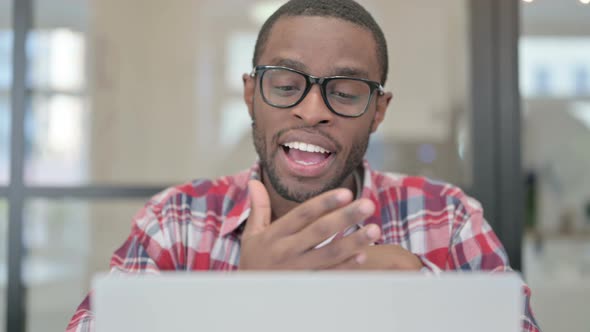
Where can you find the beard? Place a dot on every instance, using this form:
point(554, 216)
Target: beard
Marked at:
point(267, 163)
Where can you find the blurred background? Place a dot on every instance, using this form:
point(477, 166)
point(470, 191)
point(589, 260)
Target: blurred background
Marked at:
point(104, 102)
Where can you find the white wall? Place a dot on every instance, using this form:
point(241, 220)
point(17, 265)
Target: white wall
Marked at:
point(158, 86)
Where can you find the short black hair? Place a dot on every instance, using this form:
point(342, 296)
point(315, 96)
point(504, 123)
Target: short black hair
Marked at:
point(347, 10)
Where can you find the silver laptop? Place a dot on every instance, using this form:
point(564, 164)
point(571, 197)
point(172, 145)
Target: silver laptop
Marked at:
point(343, 302)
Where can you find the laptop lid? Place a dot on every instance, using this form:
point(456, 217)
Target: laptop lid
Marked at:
point(344, 302)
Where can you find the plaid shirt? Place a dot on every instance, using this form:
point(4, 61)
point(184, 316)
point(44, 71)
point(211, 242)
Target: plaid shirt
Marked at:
point(197, 226)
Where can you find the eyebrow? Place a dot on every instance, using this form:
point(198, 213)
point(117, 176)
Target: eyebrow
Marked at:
point(290, 63)
point(341, 71)
point(351, 72)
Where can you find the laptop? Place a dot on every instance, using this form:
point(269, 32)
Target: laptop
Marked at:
point(312, 301)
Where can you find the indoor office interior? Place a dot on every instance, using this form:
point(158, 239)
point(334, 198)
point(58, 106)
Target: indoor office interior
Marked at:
point(103, 103)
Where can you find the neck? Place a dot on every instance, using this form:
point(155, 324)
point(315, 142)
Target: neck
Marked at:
point(281, 206)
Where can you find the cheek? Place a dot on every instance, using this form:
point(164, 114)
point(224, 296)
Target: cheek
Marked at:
point(357, 131)
point(267, 122)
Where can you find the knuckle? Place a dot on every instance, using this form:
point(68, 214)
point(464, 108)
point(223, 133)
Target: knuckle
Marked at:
point(351, 213)
point(323, 230)
point(305, 213)
point(331, 202)
point(334, 251)
point(335, 199)
point(261, 239)
point(351, 263)
point(360, 239)
point(280, 252)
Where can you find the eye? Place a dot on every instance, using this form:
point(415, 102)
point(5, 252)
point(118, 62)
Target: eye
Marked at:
point(285, 90)
point(344, 98)
point(347, 91)
point(344, 95)
point(285, 87)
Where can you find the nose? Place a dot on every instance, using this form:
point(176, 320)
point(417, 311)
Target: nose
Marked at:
point(312, 109)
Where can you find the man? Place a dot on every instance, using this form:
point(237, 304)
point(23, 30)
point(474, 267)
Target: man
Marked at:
point(315, 95)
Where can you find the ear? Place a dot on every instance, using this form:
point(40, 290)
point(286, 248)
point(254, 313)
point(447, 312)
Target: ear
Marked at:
point(382, 104)
point(249, 89)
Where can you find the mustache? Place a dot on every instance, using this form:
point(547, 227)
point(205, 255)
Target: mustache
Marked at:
point(308, 129)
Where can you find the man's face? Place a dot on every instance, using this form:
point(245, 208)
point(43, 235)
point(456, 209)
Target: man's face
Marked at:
point(321, 47)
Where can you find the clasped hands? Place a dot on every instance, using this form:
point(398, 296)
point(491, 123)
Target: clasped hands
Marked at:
point(289, 243)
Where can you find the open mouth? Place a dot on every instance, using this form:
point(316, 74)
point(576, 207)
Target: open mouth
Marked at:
point(306, 154)
point(306, 160)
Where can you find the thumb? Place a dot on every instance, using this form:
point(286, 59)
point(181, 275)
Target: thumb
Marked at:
point(260, 211)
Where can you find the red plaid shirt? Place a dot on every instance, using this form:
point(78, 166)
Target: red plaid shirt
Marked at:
point(197, 226)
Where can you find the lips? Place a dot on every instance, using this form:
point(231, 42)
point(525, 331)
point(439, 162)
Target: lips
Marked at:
point(305, 168)
point(306, 154)
point(315, 138)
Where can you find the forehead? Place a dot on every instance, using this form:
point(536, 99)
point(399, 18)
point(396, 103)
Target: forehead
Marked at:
point(322, 46)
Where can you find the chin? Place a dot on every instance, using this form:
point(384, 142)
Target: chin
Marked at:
point(300, 190)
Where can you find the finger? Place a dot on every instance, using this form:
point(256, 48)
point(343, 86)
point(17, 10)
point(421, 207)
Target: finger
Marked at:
point(342, 250)
point(355, 262)
point(260, 212)
point(309, 211)
point(332, 223)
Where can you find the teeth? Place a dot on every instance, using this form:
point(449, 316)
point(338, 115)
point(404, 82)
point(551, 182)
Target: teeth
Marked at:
point(306, 147)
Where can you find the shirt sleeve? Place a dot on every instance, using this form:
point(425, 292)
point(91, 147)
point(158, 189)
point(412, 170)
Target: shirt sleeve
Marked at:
point(140, 254)
point(475, 247)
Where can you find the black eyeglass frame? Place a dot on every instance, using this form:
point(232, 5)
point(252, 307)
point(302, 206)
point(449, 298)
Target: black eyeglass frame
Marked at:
point(310, 80)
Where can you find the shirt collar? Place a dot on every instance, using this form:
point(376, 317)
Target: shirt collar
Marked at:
point(240, 212)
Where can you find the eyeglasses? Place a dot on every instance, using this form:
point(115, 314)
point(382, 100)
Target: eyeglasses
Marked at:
point(284, 87)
